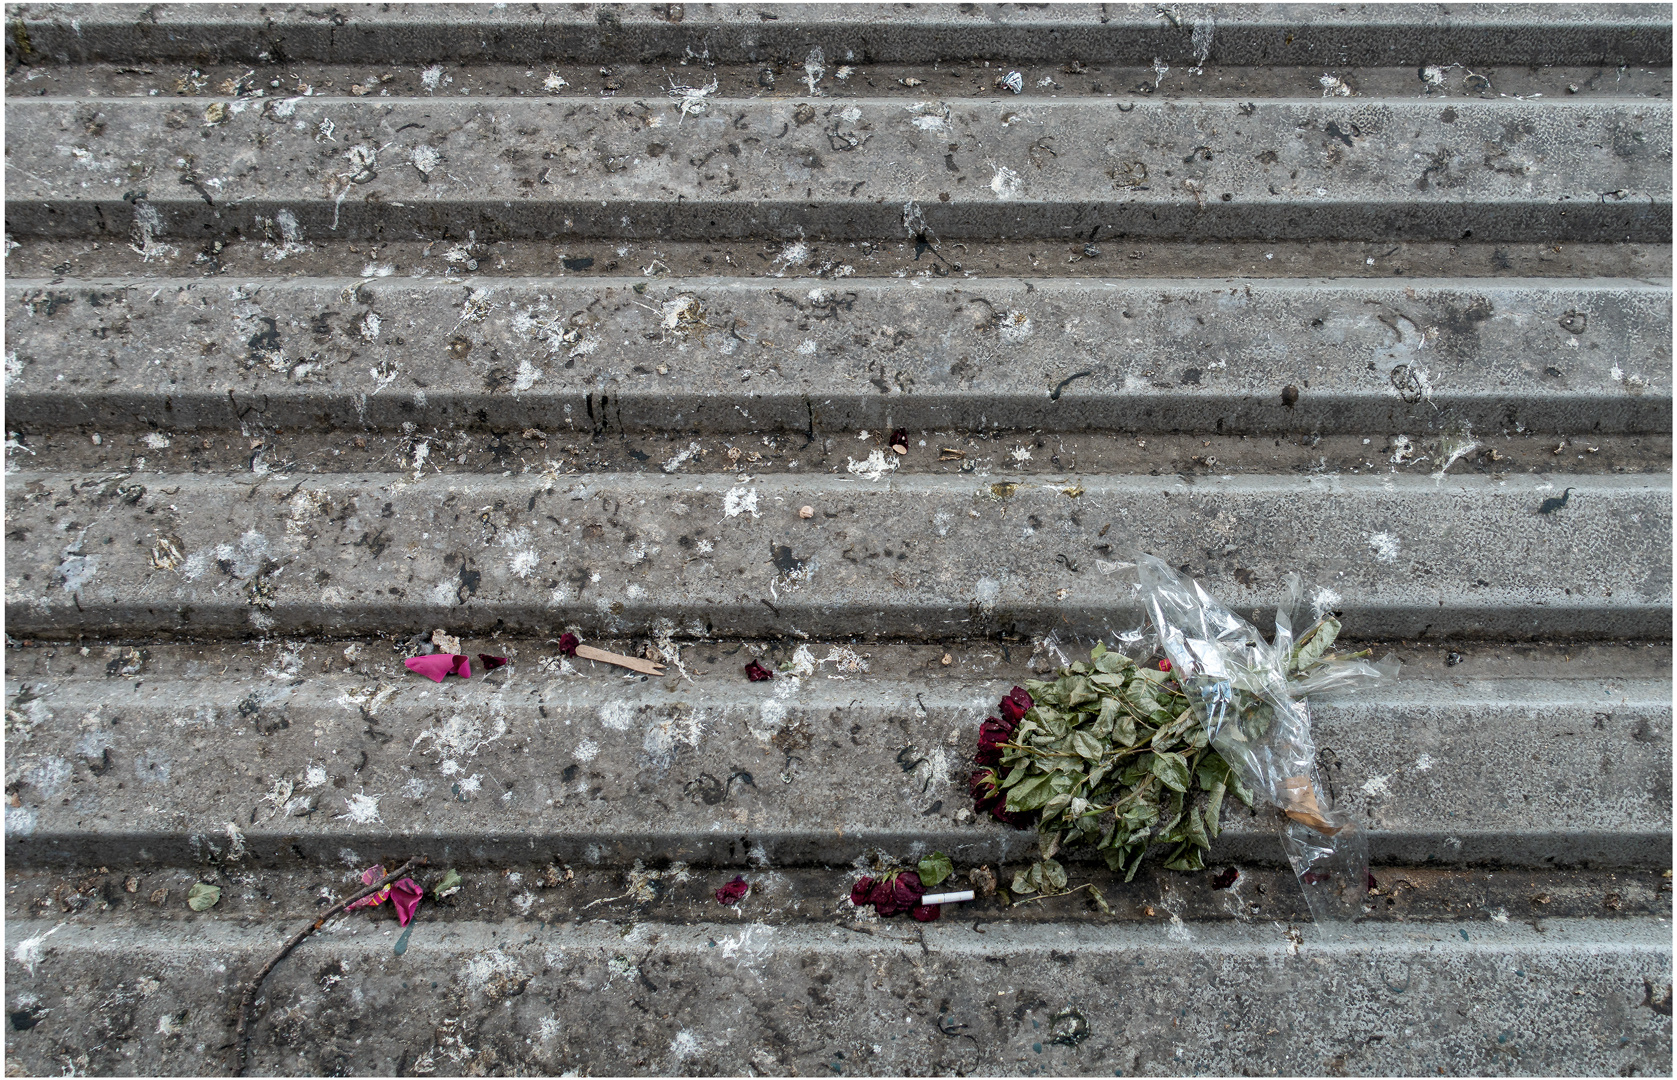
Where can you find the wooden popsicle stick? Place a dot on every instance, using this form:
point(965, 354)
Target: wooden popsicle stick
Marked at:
point(633, 663)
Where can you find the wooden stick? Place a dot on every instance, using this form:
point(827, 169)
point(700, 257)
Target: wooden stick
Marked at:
point(633, 663)
point(249, 998)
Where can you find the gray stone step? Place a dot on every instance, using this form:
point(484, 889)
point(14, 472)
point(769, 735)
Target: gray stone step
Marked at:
point(170, 172)
point(129, 759)
point(734, 997)
point(910, 556)
point(849, 33)
point(728, 355)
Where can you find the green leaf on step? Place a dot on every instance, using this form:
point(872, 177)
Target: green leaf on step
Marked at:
point(1100, 900)
point(934, 868)
point(203, 897)
point(1053, 874)
point(450, 880)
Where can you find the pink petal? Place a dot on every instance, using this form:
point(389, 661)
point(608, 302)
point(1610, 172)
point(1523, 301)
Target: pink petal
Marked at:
point(371, 874)
point(406, 896)
point(434, 667)
point(462, 666)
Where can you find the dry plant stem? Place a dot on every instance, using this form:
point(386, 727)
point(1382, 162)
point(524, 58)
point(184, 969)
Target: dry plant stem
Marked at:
point(249, 998)
point(1049, 895)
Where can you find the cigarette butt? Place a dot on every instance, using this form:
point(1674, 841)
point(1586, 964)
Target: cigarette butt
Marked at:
point(946, 898)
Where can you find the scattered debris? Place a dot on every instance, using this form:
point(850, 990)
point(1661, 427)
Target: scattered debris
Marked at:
point(1011, 81)
point(983, 880)
point(242, 1034)
point(756, 672)
point(733, 892)
point(899, 441)
point(202, 897)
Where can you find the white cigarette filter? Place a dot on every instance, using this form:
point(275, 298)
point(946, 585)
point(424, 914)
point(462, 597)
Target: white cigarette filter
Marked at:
point(946, 897)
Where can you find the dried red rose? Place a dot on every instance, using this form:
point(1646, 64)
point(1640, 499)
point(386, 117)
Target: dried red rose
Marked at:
point(991, 734)
point(756, 672)
point(899, 437)
point(1016, 704)
point(568, 644)
point(860, 891)
point(988, 798)
point(490, 663)
point(733, 892)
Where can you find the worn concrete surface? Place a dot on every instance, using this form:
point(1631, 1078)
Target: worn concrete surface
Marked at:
point(731, 997)
point(610, 33)
point(861, 753)
point(817, 261)
point(749, 168)
point(919, 557)
point(720, 355)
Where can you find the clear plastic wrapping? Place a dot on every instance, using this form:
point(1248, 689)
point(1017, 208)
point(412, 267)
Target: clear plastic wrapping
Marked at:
point(1249, 695)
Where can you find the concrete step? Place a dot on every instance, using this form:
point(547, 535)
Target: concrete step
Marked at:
point(791, 77)
point(910, 556)
point(728, 355)
point(1274, 169)
point(734, 997)
point(1244, 34)
point(155, 755)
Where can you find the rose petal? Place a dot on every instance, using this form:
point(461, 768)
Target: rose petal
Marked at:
point(733, 892)
point(490, 663)
point(568, 644)
point(405, 894)
point(908, 889)
point(756, 672)
point(1226, 879)
point(883, 898)
point(926, 913)
point(860, 891)
point(432, 667)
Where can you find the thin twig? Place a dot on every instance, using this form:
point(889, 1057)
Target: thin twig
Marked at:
point(1047, 895)
point(249, 999)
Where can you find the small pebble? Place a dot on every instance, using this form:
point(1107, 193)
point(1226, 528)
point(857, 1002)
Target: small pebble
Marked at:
point(806, 512)
point(947, 659)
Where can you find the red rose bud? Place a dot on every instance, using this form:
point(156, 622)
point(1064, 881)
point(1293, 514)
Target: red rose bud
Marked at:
point(1016, 704)
point(860, 891)
point(1164, 665)
point(923, 913)
point(756, 672)
point(568, 644)
point(733, 892)
point(490, 663)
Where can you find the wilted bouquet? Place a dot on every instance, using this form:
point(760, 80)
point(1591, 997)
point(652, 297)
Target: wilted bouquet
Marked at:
point(1121, 754)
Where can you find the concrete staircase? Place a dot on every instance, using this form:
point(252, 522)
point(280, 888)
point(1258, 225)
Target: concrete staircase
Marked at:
point(329, 327)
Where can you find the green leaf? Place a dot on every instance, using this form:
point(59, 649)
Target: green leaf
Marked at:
point(1135, 862)
point(1086, 746)
point(1314, 644)
point(1214, 806)
point(1019, 773)
point(1100, 900)
point(450, 880)
point(1196, 829)
point(1125, 734)
point(1098, 651)
point(934, 868)
point(1114, 858)
point(1078, 692)
point(202, 897)
point(1172, 771)
point(1053, 806)
point(1053, 873)
point(1022, 881)
point(1030, 794)
point(1186, 858)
